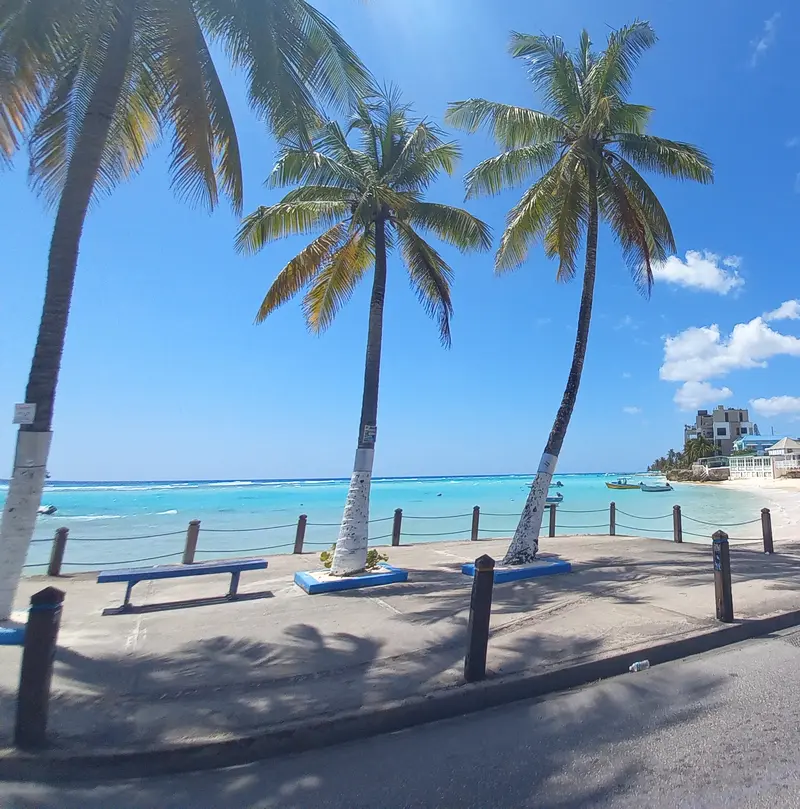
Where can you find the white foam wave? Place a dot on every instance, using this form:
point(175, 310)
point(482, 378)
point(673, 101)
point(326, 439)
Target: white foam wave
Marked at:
point(91, 517)
point(170, 511)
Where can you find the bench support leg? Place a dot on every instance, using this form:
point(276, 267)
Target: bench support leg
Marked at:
point(234, 588)
point(126, 604)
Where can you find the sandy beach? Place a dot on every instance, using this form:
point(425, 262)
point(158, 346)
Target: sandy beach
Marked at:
point(782, 497)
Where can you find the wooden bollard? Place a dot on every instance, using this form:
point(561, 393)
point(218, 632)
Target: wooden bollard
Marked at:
point(300, 534)
point(480, 611)
point(57, 551)
point(723, 590)
point(36, 673)
point(397, 526)
point(677, 524)
point(766, 530)
point(552, 531)
point(612, 519)
point(476, 524)
point(192, 535)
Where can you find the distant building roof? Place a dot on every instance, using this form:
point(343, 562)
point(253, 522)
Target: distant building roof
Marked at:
point(763, 440)
point(786, 444)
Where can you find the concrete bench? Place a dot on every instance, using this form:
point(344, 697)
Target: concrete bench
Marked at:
point(134, 575)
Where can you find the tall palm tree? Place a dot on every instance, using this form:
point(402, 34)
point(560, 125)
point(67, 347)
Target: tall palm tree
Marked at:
point(368, 199)
point(587, 147)
point(93, 84)
point(700, 447)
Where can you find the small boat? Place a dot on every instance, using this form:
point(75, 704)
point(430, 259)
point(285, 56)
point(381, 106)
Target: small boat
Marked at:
point(622, 483)
point(555, 498)
point(655, 487)
point(557, 485)
point(47, 510)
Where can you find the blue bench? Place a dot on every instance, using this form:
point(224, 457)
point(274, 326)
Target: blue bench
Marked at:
point(136, 574)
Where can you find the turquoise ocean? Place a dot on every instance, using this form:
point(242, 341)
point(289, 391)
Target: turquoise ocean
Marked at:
point(145, 522)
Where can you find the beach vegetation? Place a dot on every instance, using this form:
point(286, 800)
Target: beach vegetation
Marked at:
point(362, 188)
point(92, 86)
point(586, 148)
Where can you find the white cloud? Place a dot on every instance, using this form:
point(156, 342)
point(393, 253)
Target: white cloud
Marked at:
point(777, 406)
point(767, 39)
point(543, 321)
point(626, 375)
point(692, 395)
point(632, 411)
point(698, 354)
point(701, 270)
point(792, 142)
point(788, 310)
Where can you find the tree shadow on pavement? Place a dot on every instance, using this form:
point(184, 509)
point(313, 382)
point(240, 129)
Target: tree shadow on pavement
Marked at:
point(569, 751)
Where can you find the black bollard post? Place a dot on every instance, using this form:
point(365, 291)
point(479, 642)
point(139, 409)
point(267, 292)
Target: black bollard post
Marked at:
point(38, 656)
point(480, 611)
point(552, 531)
point(723, 591)
point(300, 533)
point(612, 519)
point(766, 530)
point(476, 523)
point(677, 524)
point(57, 552)
point(397, 526)
point(192, 535)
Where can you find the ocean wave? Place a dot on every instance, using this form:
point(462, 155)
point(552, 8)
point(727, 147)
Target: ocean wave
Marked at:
point(92, 517)
point(164, 513)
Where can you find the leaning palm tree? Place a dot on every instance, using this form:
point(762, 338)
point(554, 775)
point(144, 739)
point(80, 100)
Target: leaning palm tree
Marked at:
point(587, 147)
point(92, 85)
point(368, 199)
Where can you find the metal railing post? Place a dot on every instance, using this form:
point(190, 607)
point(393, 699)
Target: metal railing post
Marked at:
point(57, 552)
point(192, 535)
point(300, 534)
point(476, 523)
point(677, 524)
point(397, 526)
point(612, 519)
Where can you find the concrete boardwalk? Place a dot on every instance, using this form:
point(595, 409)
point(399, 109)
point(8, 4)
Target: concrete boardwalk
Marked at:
point(174, 673)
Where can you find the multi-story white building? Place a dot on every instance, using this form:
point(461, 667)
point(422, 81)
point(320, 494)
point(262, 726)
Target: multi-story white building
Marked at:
point(780, 458)
point(723, 426)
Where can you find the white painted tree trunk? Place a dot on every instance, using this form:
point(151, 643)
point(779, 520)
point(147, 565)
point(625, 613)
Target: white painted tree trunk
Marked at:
point(525, 545)
point(19, 515)
point(350, 555)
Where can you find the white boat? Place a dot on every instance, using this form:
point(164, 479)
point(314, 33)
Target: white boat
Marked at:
point(655, 487)
point(46, 510)
point(555, 498)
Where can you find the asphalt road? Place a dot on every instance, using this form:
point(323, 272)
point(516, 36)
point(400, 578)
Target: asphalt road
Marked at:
point(718, 730)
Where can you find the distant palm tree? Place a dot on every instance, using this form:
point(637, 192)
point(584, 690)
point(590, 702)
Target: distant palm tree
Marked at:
point(93, 85)
point(700, 447)
point(586, 148)
point(369, 200)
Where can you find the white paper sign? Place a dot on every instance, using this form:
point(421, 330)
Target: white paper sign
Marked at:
point(24, 413)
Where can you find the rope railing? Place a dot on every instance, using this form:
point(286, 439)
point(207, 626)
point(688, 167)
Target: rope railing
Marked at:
point(550, 527)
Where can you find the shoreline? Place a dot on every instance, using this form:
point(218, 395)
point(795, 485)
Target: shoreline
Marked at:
point(783, 500)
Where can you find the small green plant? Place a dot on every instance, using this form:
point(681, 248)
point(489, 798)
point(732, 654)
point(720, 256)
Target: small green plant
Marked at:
point(374, 558)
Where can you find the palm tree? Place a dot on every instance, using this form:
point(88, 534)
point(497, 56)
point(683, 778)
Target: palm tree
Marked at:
point(368, 199)
point(700, 447)
point(588, 147)
point(93, 84)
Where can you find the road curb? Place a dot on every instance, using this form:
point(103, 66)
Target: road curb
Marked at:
point(57, 766)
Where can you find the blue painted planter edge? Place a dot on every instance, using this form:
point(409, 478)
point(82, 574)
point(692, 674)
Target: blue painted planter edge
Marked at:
point(392, 575)
point(549, 568)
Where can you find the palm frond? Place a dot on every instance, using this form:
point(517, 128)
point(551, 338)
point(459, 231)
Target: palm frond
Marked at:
point(299, 272)
point(430, 276)
point(528, 220)
point(552, 72)
point(334, 285)
point(666, 157)
point(311, 167)
point(629, 118)
point(453, 225)
point(612, 73)
point(266, 224)
point(424, 144)
point(563, 236)
point(509, 169)
point(511, 127)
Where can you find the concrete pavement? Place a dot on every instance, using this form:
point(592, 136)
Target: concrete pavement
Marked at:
point(715, 731)
point(172, 675)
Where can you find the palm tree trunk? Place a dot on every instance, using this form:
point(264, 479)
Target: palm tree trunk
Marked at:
point(350, 556)
point(525, 545)
point(33, 440)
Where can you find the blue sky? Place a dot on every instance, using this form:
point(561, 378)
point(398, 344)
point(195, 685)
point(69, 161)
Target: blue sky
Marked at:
point(165, 375)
